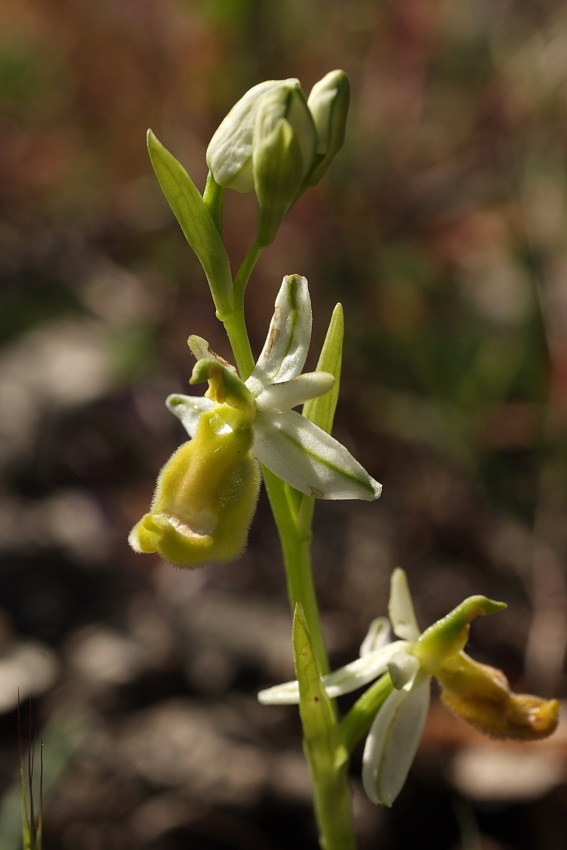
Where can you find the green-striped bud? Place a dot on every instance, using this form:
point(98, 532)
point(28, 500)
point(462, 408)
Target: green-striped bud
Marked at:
point(277, 142)
point(284, 147)
point(229, 154)
point(247, 127)
point(328, 104)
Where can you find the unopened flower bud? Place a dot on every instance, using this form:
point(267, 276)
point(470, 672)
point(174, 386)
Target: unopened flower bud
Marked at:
point(328, 104)
point(276, 142)
point(284, 146)
point(241, 135)
point(205, 496)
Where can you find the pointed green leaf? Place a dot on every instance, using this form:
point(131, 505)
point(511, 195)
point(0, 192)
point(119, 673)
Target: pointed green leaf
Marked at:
point(320, 728)
point(322, 741)
point(196, 222)
point(321, 411)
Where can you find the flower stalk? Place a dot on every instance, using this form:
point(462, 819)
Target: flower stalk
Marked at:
point(277, 142)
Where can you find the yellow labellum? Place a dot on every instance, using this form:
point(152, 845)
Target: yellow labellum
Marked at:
point(205, 496)
point(482, 696)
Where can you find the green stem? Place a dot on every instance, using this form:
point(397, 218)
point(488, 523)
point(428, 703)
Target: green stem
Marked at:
point(213, 196)
point(331, 788)
point(244, 272)
point(296, 548)
point(235, 321)
point(235, 327)
point(322, 745)
point(333, 807)
point(294, 532)
point(355, 725)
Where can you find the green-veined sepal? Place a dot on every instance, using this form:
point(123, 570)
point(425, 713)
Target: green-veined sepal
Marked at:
point(393, 741)
point(309, 459)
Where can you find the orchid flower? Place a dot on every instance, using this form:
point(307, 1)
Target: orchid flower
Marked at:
point(206, 494)
point(288, 444)
point(480, 694)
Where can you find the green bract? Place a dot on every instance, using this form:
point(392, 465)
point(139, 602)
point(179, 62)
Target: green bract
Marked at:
point(283, 151)
point(195, 219)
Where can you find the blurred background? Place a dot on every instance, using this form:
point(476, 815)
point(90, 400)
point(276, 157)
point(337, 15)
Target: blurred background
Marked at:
point(442, 227)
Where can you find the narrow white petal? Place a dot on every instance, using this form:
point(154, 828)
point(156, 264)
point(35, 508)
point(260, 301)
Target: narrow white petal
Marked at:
point(188, 409)
point(289, 335)
point(393, 741)
point(286, 694)
point(358, 673)
point(400, 607)
point(309, 459)
point(378, 635)
point(289, 394)
point(403, 670)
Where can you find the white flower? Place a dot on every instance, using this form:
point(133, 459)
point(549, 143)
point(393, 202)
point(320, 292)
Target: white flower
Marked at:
point(288, 444)
point(396, 731)
point(479, 694)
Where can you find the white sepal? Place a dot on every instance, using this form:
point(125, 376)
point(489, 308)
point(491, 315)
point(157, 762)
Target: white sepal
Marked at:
point(393, 741)
point(229, 154)
point(400, 607)
point(309, 459)
point(342, 681)
point(284, 694)
point(285, 350)
point(188, 409)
